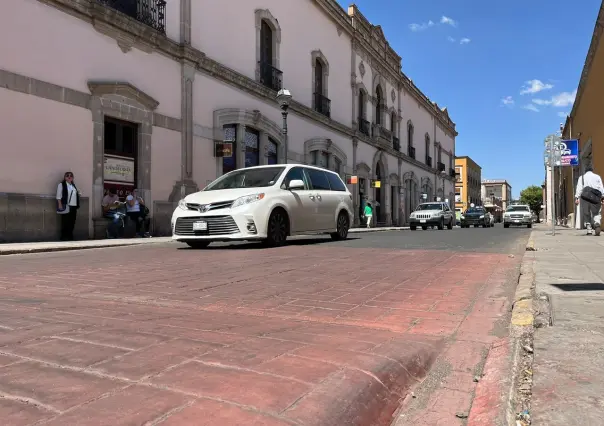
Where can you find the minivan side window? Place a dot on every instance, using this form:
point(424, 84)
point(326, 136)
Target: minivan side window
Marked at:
point(296, 173)
point(335, 182)
point(318, 180)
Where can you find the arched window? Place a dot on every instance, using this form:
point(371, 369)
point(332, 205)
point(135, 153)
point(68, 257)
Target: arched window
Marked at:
point(393, 123)
point(410, 148)
point(270, 76)
point(319, 77)
point(428, 156)
point(252, 147)
point(272, 151)
point(379, 101)
point(230, 136)
point(319, 158)
point(363, 123)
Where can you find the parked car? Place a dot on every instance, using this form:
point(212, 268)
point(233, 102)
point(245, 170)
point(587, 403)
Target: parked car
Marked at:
point(432, 214)
point(268, 203)
point(518, 215)
point(477, 216)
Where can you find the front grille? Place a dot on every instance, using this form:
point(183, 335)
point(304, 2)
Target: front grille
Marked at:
point(423, 216)
point(217, 225)
point(212, 206)
point(517, 216)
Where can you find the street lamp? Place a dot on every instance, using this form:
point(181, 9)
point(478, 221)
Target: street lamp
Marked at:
point(284, 97)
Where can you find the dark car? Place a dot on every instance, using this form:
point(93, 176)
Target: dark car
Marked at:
point(476, 216)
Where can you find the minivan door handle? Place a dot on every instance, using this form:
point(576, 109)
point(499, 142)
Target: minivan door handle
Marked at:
point(319, 196)
point(312, 197)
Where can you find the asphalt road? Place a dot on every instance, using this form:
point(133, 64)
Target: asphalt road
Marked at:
point(487, 240)
point(314, 333)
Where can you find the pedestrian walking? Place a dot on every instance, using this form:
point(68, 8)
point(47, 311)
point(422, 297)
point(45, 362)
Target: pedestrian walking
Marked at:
point(368, 214)
point(68, 203)
point(589, 193)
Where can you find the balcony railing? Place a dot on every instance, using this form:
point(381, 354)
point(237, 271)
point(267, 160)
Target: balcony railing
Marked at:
point(382, 132)
point(149, 12)
point(322, 104)
point(396, 143)
point(270, 76)
point(441, 167)
point(428, 161)
point(411, 152)
point(364, 126)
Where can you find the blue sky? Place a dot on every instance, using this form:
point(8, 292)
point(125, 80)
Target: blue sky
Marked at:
point(512, 49)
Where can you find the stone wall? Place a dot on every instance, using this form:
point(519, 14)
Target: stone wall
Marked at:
point(33, 217)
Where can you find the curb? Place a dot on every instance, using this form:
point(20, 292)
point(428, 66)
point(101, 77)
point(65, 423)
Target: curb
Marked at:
point(51, 249)
point(496, 395)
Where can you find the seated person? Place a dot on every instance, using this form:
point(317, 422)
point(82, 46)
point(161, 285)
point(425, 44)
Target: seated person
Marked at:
point(112, 207)
point(135, 210)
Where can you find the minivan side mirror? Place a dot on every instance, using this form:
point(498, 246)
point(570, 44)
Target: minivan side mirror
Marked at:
point(295, 184)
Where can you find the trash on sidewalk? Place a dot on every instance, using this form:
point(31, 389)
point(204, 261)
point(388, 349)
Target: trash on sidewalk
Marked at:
point(523, 418)
point(461, 415)
point(528, 349)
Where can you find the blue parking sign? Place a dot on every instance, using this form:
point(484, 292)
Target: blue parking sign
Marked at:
point(570, 152)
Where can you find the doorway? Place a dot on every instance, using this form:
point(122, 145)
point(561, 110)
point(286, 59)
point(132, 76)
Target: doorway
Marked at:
point(120, 156)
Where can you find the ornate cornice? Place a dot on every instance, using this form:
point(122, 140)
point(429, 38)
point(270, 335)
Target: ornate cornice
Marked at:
point(591, 52)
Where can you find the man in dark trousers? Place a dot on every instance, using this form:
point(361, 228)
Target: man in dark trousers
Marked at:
point(589, 193)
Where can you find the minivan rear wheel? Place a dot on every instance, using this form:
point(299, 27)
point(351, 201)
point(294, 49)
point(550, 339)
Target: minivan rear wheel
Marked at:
point(342, 226)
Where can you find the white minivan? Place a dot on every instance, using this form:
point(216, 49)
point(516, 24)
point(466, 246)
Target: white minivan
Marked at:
point(267, 203)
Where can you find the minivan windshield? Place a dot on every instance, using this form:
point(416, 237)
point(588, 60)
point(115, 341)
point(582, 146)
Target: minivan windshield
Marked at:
point(430, 206)
point(517, 209)
point(247, 178)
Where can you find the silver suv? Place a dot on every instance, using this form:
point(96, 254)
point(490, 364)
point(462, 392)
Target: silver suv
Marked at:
point(432, 214)
point(518, 215)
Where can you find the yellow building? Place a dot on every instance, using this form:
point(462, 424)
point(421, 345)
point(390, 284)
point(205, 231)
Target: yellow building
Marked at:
point(585, 122)
point(467, 186)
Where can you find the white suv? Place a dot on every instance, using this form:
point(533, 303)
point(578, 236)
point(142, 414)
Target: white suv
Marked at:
point(518, 215)
point(266, 203)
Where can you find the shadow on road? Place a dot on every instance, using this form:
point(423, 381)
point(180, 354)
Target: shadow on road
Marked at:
point(259, 245)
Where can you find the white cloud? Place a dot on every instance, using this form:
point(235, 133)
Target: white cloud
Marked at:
point(531, 107)
point(507, 101)
point(560, 100)
point(451, 39)
point(563, 114)
point(421, 27)
point(464, 41)
point(448, 21)
point(535, 86)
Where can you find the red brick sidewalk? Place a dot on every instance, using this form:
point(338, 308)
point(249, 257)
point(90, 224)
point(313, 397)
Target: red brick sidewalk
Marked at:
point(303, 335)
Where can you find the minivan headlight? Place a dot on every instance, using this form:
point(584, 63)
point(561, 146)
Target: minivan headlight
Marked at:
point(183, 204)
point(482, 217)
point(247, 199)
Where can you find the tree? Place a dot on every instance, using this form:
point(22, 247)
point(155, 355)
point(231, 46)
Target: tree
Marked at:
point(533, 197)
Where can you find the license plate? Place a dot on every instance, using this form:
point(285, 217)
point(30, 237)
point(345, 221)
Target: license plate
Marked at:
point(422, 221)
point(200, 226)
point(517, 220)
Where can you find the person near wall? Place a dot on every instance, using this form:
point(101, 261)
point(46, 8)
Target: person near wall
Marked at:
point(137, 211)
point(113, 210)
point(589, 193)
point(368, 213)
point(68, 203)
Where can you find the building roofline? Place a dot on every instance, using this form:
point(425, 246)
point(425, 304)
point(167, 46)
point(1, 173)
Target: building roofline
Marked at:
point(591, 52)
point(467, 157)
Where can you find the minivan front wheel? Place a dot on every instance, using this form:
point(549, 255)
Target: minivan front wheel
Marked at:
point(342, 227)
point(276, 232)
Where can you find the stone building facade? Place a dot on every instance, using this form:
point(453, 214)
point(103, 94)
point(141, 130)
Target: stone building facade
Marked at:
point(139, 95)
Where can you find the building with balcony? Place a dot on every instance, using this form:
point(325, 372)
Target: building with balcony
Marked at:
point(585, 124)
point(467, 183)
point(140, 93)
point(497, 192)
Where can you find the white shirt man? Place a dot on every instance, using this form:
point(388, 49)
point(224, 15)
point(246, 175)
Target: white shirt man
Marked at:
point(590, 212)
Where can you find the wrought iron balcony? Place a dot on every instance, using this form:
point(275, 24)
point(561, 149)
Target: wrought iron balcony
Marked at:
point(149, 12)
point(440, 166)
point(396, 143)
point(364, 126)
point(428, 161)
point(270, 76)
point(411, 151)
point(322, 104)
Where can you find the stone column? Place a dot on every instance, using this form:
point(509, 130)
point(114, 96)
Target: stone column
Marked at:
point(263, 148)
point(240, 144)
point(186, 185)
point(387, 201)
